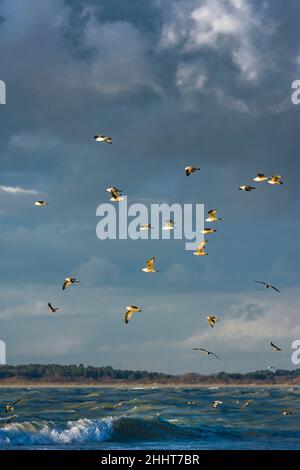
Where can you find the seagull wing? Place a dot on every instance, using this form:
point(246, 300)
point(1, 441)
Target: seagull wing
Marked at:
point(128, 315)
point(275, 347)
point(275, 288)
point(66, 284)
point(215, 355)
point(261, 282)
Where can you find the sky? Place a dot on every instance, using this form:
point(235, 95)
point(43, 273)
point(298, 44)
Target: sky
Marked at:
point(174, 82)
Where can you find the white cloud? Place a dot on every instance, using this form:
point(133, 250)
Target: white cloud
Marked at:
point(17, 190)
point(231, 27)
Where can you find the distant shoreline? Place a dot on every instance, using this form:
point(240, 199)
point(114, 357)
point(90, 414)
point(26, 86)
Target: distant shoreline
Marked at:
point(139, 385)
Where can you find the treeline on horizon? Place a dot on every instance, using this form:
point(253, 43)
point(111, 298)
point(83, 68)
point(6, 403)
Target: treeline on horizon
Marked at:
point(56, 373)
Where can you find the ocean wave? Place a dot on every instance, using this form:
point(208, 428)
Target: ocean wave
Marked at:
point(82, 431)
point(49, 433)
point(121, 429)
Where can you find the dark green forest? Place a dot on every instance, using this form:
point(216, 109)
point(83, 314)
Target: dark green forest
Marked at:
point(56, 373)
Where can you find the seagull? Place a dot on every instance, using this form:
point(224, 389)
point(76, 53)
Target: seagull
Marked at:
point(41, 203)
point(103, 138)
point(69, 281)
point(150, 266)
point(201, 249)
point(208, 230)
point(213, 216)
point(169, 225)
point(130, 311)
point(260, 177)
point(216, 403)
point(245, 187)
point(10, 419)
point(246, 404)
point(275, 179)
point(211, 319)
point(267, 286)
point(115, 194)
point(275, 348)
point(190, 169)
point(146, 227)
point(52, 309)
point(287, 412)
point(269, 366)
point(11, 406)
point(206, 352)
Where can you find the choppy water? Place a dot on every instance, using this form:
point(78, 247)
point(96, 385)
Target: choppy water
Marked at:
point(167, 418)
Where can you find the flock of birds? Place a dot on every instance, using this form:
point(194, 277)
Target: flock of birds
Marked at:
point(117, 196)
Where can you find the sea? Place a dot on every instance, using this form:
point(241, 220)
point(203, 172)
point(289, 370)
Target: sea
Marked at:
point(150, 418)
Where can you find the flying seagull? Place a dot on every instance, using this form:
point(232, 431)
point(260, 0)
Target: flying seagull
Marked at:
point(130, 311)
point(116, 194)
point(269, 366)
point(275, 179)
point(150, 266)
point(275, 348)
point(206, 352)
point(245, 187)
point(267, 286)
point(211, 319)
point(10, 419)
point(287, 412)
point(213, 216)
point(103, 138)
point(246, 404)
point(52, 309)
point(169, 225)
point(11, 406)
point(216, 403)
point(190, 169)
point(69, 281)
point(207, 230)
point(41, 203)
point(201, 249)
point(260, 177)
point(146, 227)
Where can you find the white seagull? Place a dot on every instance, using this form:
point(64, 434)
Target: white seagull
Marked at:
point(69, 281)
point(116, 194)
point(190, 169)
point(267, 286)
point(169, 225)
point(208, 230)
point(260, 177)
point(201, 249)
point(145, 227)
point(211, 319)
point(206, 352)
point(103, 138)
point(216, 403)
point(246, 187)
point(130, 311)
point(150, 266)
point(213, 216)
point(41, 203)
point(51, 308)
point(275, 179)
